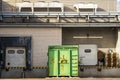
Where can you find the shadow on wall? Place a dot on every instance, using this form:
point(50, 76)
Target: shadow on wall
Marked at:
point(110, 36)
point(5, 7)
point(68, 9)
point(8, 7)
point(100, 9)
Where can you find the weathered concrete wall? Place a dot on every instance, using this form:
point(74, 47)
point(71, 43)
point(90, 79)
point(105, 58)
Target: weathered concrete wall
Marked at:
point(41, 39)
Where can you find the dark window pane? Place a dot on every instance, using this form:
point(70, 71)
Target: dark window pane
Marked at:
point(87, 50)
point(11, 51)
point(20, 51)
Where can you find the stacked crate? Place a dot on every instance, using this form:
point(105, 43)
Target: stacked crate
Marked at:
point(115, 59)
point(111, 60)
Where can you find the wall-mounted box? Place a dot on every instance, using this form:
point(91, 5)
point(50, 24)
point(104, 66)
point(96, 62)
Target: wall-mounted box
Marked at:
point(87, 54)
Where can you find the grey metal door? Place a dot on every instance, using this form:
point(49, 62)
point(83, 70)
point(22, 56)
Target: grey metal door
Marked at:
point(15, 57)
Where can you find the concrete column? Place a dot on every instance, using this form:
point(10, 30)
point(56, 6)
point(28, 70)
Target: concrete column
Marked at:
point(118, 44)
point(118, 41)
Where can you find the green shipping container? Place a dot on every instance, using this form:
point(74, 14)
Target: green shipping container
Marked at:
point(63, 60)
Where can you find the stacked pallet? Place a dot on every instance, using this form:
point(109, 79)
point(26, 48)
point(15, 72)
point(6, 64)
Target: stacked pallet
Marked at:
point(111, 60)
point(115, 59)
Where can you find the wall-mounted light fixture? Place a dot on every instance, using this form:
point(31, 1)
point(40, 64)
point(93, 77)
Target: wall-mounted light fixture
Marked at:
point(90, 37)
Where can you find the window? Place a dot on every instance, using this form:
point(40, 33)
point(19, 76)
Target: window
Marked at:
point(20, 51)
point(87, 50)
point(11, 51)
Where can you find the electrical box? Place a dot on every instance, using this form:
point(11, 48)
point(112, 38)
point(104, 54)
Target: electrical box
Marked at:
point(88, 54)
point(15, 57)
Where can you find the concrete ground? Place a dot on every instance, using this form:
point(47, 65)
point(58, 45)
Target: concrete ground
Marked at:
point(63, 78)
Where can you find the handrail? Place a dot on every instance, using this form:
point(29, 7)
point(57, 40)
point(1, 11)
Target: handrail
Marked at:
point(59, 25)
point(6, 13)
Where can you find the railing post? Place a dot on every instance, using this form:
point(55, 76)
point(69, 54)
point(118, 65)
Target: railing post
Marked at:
point(23, 74)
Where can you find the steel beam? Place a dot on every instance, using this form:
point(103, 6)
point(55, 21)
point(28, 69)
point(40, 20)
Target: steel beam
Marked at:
point(38, 25)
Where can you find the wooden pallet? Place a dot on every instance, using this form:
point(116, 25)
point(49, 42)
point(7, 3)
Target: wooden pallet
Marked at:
point(111, 60)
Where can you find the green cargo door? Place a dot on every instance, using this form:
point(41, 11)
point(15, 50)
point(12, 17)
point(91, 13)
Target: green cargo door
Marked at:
point(64, 62)
point(74, 61)
point(53, 62)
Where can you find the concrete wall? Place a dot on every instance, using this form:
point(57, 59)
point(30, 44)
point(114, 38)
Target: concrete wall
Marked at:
point(105, 37)
point(41, 39)
point(103, 5)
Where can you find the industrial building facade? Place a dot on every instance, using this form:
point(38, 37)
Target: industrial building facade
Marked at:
point(66, 24)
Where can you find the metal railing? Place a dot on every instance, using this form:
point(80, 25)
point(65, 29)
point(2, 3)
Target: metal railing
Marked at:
point(62, 14)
